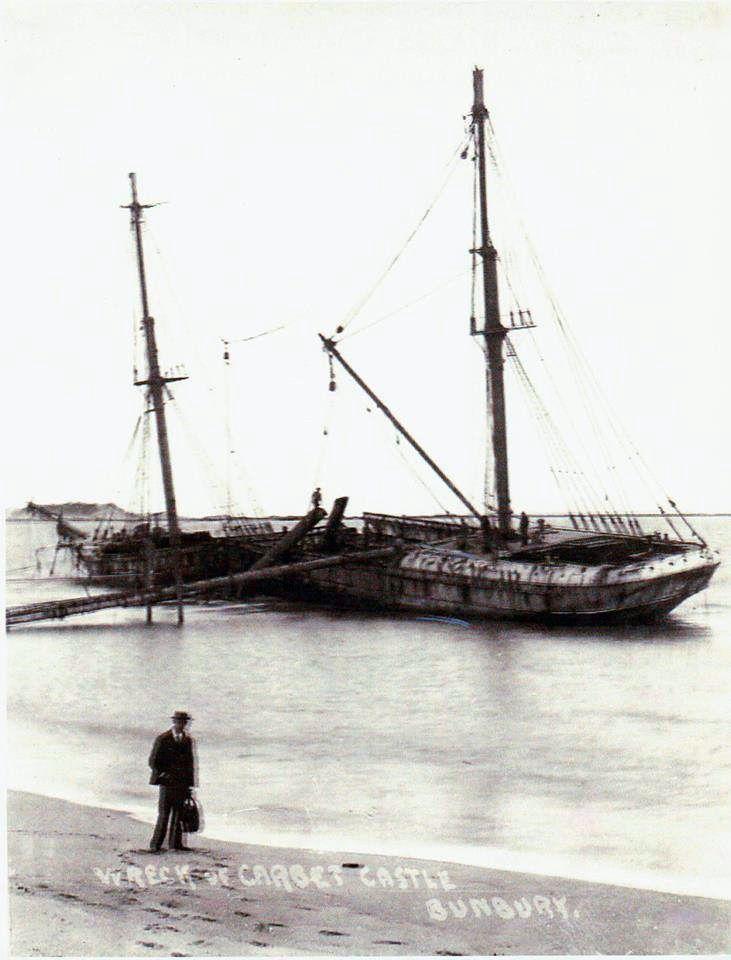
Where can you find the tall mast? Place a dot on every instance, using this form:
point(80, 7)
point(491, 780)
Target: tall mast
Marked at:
point(493, 331)
point(155, 381)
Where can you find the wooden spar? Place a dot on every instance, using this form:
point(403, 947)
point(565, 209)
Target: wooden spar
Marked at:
point(493, 331)
point(155, 382)
point(334, 522)
point(333, 351)
point(64, 529)
point(289, 539)
point(58, 609)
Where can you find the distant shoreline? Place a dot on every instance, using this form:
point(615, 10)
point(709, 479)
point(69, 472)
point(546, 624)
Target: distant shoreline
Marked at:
point(295, 516)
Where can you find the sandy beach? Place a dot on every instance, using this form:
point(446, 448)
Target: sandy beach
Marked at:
point(82, 882)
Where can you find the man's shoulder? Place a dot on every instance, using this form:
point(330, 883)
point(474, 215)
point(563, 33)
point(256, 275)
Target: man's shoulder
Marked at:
point(165, 735)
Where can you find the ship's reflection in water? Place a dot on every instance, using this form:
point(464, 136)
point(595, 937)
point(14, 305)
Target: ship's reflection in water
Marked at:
point(600, 751)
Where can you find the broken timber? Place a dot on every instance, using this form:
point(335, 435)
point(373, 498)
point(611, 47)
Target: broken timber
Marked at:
point(58, 609)
point(290, 539)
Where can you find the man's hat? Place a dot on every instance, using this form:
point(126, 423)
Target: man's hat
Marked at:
point(181, 715)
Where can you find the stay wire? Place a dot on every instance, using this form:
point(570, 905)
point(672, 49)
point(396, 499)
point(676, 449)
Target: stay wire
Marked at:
point(355, 310)
point(417, 476)
point(407, 306)
point(572, 343)
point(586, 377)
point(216, 483)
point(559, 459)
point(209, 474)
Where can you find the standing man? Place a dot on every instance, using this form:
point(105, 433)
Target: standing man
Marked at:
point(523, 526)
point(173, 770)
point(486, 530)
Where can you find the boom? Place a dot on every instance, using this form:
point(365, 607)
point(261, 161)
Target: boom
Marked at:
point(66, 530)
point(333, 351)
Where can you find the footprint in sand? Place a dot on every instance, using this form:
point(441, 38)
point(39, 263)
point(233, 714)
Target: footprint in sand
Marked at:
point(448, 953)
point(242, 913)
point(258, 943)
point(390, 943)
point(207, 919)
point(150, 944)
point(265, 926)
point(333, 933)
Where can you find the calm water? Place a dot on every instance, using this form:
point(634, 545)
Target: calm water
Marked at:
point(599, 753)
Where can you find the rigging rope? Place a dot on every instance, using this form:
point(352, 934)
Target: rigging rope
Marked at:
point(355, 310)
point(407, 306)
point(415, 473)
point(209, 473)
point(589, 385)
point(117, 493)
point(264, 333)
point(142, 479)
point(326, 419)
point(560, 463)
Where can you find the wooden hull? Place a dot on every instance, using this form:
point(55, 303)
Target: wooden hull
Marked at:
point(124, 563)
point(471, 586)
point(641, 581)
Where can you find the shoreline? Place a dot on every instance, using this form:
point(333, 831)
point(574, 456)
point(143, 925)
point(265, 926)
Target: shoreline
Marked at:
point(485, 858)
point(82, 882)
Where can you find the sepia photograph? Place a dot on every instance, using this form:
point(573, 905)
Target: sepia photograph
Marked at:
point(367, 478)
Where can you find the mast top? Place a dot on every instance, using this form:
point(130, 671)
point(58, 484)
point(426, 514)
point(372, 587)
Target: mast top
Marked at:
point(479, 110)
point(135, 208)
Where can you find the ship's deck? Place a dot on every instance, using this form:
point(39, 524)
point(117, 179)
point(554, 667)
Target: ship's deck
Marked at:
point(549, 545)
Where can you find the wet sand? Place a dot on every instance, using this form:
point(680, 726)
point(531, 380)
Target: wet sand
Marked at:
point(82, 882)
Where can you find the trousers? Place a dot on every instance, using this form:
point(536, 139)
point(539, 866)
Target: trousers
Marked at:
point(169, 807)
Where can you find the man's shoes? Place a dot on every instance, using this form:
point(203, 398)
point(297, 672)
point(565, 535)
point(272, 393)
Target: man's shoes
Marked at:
point(181, 847)
point(154, 849)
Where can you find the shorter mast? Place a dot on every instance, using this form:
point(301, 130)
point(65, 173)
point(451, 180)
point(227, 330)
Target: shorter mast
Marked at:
point(155, 384)
point(155, 381)
point(333, 351)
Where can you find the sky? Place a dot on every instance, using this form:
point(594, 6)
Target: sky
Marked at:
point(292, 149)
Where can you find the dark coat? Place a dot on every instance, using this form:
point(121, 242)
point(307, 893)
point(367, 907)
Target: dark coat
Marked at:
point(172, 762)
